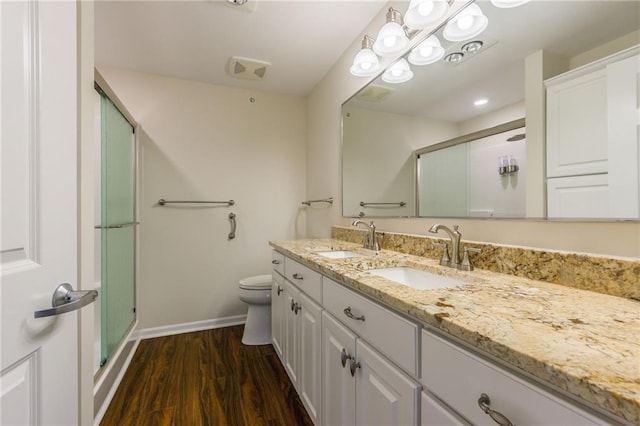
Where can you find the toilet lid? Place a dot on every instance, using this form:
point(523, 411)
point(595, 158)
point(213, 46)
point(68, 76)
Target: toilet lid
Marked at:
point(259, 282)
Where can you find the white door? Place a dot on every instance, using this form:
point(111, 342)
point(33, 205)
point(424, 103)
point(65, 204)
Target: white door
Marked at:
point(39, 361)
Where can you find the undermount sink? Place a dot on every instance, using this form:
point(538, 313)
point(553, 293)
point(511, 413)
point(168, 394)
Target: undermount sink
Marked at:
point(416, 278)
point(339, 254)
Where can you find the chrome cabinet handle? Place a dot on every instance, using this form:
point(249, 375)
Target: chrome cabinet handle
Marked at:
point(65, 299)
point(344, 356)
point(275, 262)
point(293, 304)
point(278, 290)
point(297, 277)
point(497, 417)
point(347, 312)
point(297, 308)
point(353, 366)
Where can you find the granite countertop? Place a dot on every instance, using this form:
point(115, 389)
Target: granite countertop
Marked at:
point(583, 342)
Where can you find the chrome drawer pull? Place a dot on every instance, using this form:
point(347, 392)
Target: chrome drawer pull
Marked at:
point(275, 261)
point(297, 277)
point(344, 356)
point(497, 417)
point(347, 312)
point(353, 366)
point(279, 290)
point(297, 308)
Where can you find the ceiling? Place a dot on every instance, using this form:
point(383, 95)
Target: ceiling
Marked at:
point(445, 91)
point(194, 40)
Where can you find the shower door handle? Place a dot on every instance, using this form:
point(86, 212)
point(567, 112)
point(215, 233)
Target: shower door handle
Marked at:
point(65, 299)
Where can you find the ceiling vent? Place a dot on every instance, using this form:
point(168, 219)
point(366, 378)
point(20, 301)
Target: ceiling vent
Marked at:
point(373, 93)
point(249, 69)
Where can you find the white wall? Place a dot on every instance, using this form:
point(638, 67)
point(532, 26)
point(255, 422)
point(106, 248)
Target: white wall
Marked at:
point(324, 171)
point(205, 142)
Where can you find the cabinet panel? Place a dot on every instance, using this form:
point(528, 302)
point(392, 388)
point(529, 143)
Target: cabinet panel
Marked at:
point(307, 280)
point(310, 378)
point(435, 414)
point(578, 197)
point(378, 325)
point(458, 378)
point(291, 348)
point(385, 395)
point(577, 126)
point(339, 387)
point(277, 313)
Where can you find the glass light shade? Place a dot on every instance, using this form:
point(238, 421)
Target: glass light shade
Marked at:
point(467, 24)
point(365, 64)
point(427, 52)
point(508, 3)
point(391, 40)
point(398, 72)
point(423, 14)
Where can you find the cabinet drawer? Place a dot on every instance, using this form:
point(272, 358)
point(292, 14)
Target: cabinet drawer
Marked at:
point(391, 334)
point(307, 280)
point(459, 377)
point(277, 260)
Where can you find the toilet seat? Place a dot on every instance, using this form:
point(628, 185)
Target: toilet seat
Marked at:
point(259, 282)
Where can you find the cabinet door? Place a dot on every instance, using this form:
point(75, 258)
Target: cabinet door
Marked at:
point(578, 197)
point(277, 313)
point(433, 413)
point(291, 333)
point(384, 394)
point(338, 387)
point(577, 126)
point(309, 376)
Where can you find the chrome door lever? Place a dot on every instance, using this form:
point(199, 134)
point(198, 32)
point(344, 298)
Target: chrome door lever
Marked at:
point(65, 299)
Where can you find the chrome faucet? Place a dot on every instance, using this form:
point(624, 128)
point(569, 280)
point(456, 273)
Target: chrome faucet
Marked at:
point(370, 240)
point(454, 236)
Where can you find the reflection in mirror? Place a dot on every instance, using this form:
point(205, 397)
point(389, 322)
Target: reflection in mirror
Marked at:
point(384, 124)
point(480, 175)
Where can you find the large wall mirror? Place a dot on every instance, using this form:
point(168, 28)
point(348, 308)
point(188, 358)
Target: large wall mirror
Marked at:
point(452, 141)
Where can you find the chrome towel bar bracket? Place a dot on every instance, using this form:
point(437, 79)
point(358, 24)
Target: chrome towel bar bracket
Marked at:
point(162, 202)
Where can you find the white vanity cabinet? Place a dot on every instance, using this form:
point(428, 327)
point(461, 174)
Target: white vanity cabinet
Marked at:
point(459, 378)
point(296, 321)
point(362, 386)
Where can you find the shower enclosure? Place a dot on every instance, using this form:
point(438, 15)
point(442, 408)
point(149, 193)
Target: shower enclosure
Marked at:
point(116, 232)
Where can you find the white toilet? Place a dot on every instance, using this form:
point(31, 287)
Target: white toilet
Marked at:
point(256, 292)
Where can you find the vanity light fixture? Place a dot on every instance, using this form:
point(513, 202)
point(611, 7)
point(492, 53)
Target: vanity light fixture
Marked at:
point(423, 14)
point(392, 38)
point(466, 25)
point(399, 72)
point(427, 52)
point(508, 3)
point(366, 63)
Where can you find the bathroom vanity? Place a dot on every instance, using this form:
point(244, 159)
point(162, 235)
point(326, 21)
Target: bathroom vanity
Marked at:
point(363, 349)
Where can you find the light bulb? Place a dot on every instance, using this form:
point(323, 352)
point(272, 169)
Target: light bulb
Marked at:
point(397, 72)
point(365, 65)
point(389, 41)
point(424, 9)
point(426, 51)
point(465, 22)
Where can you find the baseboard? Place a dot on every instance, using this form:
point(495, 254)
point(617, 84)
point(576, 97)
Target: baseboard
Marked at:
point(189, 327)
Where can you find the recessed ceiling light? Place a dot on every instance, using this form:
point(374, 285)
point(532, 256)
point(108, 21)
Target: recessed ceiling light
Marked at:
point(481, 102)
point(454, 57)
point(472, 46)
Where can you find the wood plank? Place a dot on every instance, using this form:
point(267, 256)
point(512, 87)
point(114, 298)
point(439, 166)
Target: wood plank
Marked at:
point(205, 378)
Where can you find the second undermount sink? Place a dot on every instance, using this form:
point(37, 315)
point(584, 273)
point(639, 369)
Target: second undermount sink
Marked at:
point(339, 254)
point(416, 278)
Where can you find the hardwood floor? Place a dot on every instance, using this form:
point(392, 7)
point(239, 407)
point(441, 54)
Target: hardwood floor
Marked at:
point(205, 378)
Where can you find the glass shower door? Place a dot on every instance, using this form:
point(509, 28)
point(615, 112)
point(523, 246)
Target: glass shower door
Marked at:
point(118, 227)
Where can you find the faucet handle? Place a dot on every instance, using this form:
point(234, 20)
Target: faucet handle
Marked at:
point(466, 265)
point(445, 260)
